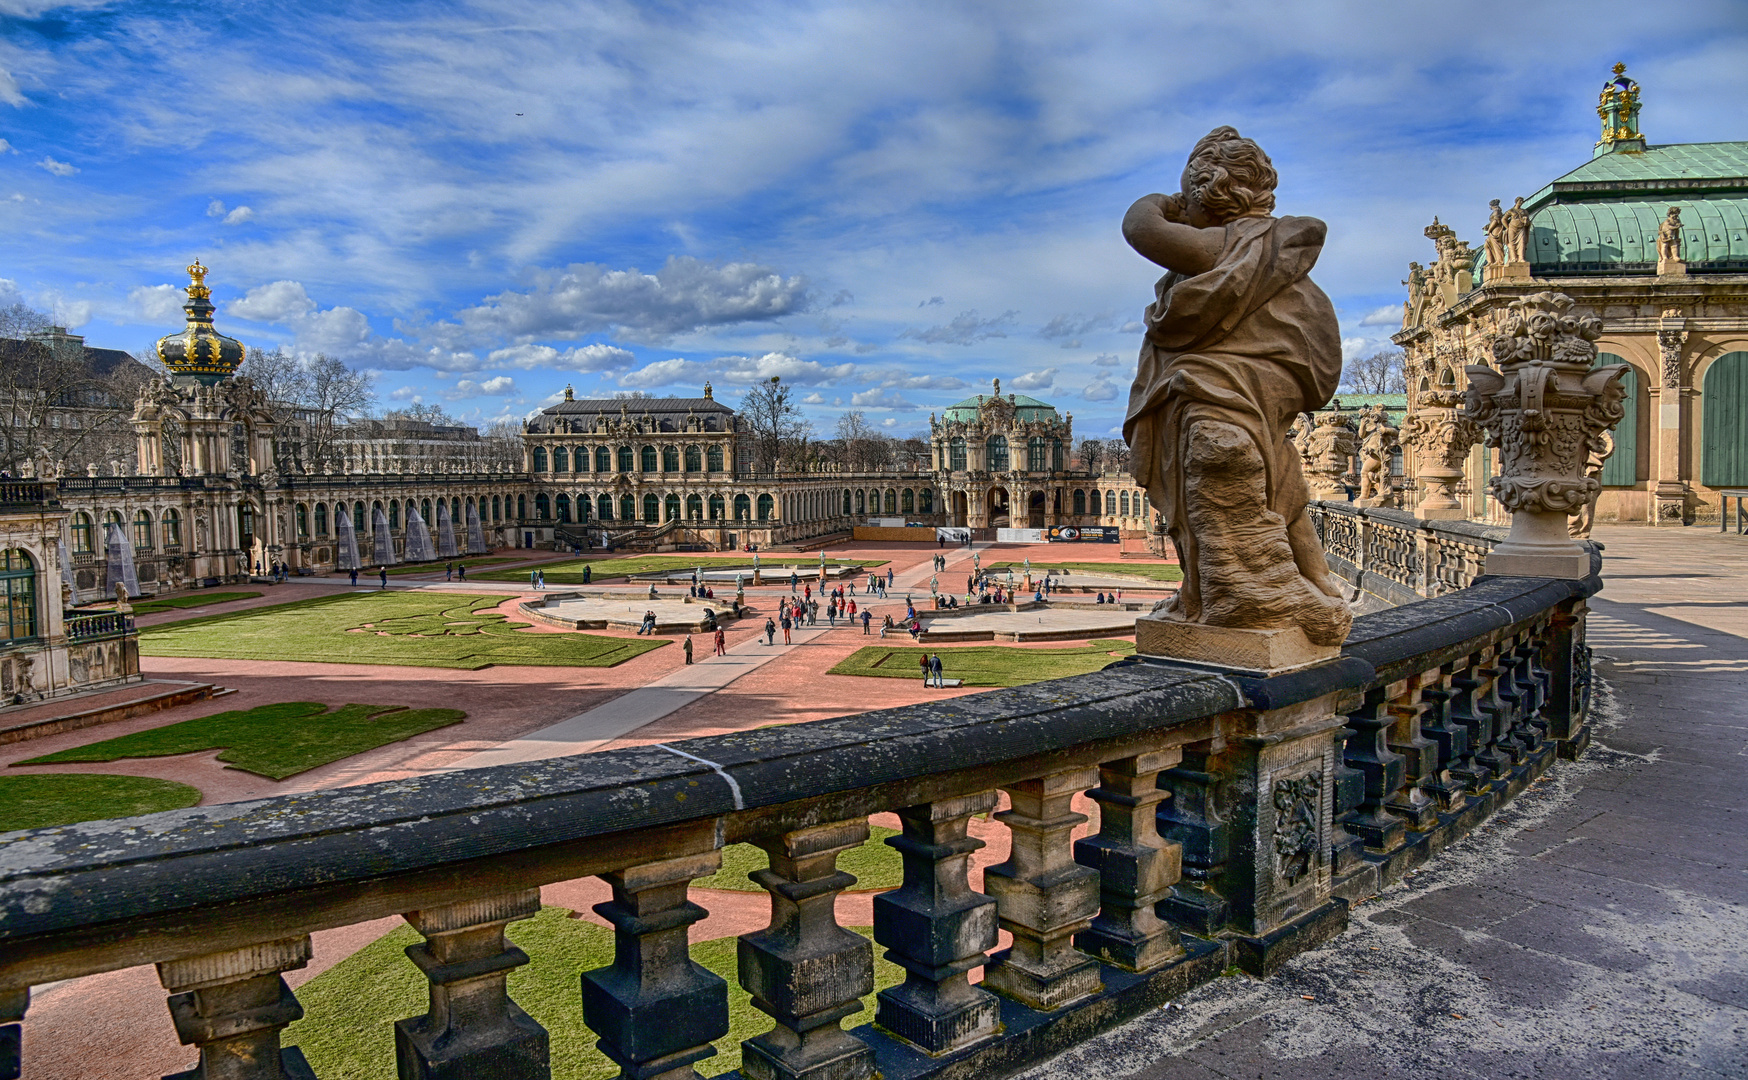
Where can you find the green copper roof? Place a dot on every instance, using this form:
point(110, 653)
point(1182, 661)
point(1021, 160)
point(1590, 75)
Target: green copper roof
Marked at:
point(1026, 408)
point(1603, 216)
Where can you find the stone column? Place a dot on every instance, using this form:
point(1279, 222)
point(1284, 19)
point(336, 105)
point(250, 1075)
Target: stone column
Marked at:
point(233, 1006)
point(1543, 408)
point(1669, 489)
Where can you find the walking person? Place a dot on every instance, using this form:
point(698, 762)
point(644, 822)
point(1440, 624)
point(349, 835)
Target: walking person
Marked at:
point(770, 631)
point(461, 571)
point(588, 572)
point(382, 573)
point(686, 646)
point(721, 643)
point(867, 617)
point(924, 661)
point(534, 579)
point(787, 623)
point(935, 668)
point(448, 571)
point(541, 575)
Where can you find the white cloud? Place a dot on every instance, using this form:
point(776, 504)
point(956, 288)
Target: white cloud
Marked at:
point(1035, 380)
point(880, 399)
point(275, 302)
point(59, 168)
point(157, 304)
point(966, 328)
point(665, 373)
point(890, 421)
point(216, 208)
point(686, 294)
point(1388, 315)
point(815, 398)
point(499, 386)
point(737, 370)
point(239, 215)
point(595, 357)
point(405, 393)
point(1073, 327)
point(7, 148)
point(1106, 360)
point(1100, 389)
point(904, 380)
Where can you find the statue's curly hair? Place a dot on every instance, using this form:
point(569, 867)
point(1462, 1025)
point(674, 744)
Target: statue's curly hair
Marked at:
point(1231, 176)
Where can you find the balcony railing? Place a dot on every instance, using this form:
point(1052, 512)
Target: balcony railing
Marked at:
point(27, 494)
point(1399, 557)
point(93, 627)
point(1239, 816)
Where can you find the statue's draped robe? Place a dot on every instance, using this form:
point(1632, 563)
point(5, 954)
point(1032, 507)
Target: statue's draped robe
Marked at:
point(1252, 342)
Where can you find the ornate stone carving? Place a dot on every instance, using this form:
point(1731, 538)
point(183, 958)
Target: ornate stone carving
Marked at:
point(1517, 231)
point(1239, 342)
point(1377, 440)
point(1494, 231)
point(1440, 436)
point(1295, 835)
point(1585, 516)
point(1545, 409)
point(1669, 237)
point(1669, 343)
point(1332, 446)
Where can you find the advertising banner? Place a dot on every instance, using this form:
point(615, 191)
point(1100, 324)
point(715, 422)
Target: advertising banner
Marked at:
point(1105, 534)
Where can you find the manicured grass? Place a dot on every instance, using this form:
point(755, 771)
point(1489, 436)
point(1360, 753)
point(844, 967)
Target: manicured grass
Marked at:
point(984, 665)
point(37, 802)
point(1156, 571)
point(177, 603)
point(349, 1010)
point(406, 629)
point(875, 864)
point(470, 561)
point(275, 741)
point(571, 573)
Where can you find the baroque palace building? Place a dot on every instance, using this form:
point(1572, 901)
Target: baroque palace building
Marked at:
point(1652, 240)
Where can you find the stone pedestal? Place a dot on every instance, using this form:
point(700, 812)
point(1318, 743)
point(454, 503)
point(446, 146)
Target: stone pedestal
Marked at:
point(1250, 650)
point(1538, 546)
point(1513, 271)
point(1671, 268)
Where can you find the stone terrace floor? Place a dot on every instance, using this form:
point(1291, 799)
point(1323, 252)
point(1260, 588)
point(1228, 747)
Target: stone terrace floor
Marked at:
point(1596, 929)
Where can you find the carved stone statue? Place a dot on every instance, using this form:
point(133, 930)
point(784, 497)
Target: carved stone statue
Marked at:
point(1596, 455)
point(1517, 230)
point(1544, 408)
point(1300, 433)
point(1239, 342)
point(121, 604)
point(1331, 447)
point(1495, 234)
point(1378, 438)
point(1669, 237)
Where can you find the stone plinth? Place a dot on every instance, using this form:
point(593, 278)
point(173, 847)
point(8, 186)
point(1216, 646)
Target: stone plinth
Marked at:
point(1251, 650)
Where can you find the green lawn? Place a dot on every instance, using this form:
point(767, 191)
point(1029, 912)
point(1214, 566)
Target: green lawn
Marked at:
point(347, 1030)
point(985, 665)
point(407, 629)
point(37, 802)
point(177, 603)
point(875, 864)
point(1156, 571)
point(571, 573)
point(470, 561)
point(275, 741)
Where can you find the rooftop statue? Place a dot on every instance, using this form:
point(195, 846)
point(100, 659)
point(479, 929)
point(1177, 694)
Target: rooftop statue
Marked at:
point(1239, 342)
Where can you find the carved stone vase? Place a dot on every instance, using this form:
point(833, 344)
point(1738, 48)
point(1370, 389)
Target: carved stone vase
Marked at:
point(1441, 437)
point(1332, 446)
point(1546, 408)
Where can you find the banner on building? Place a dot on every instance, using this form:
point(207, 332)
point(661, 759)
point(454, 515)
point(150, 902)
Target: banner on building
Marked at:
point(1095, 533)
point(953, 534)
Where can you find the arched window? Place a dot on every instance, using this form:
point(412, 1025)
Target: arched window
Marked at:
point(455, 510)
point(357, 517)
point(847, 501)
point(1058, 463)
point(713, 459)
point(521, 507)
point(18, 594)
point(861, 501)
point(766, 505)
point(542, 506)
point(604, 508)
point(246, 520)
point(540, 459)
point(425, 510)
point(394, 514)
point(1723, 455)
point(651, 508)
point(1037, 454)
point(891, 501)
point(716, 508)
point(694, 460)
point(603, 459)
point(584, 505)
point(627, 508)
point(1123, 501)
point(321, 522)
point(649, 459)
point(743, 508)
point(671, 507)
point(956, 455)
point(112, 520)
point(927, 501)
point(143, 530)
point(561, 460)
point(627, 460)
point(1079, 501)
point(695, 507)
point(1093, 503)
point(907, 501)
point(82, 533)
point(497, 507)
point(997, 449)
point(670, 459)
point(563, 504)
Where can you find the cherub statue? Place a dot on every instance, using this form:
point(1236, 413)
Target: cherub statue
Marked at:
point(1669, 237)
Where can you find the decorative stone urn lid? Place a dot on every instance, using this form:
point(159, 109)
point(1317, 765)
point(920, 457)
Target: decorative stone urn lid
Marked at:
point(199, 352)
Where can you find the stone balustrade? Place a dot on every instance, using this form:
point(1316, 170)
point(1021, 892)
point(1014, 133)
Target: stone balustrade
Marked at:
point(1238, 817)
point(97, 627)
point(1398, 557)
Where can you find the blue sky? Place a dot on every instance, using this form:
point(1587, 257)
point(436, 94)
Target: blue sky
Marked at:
point(887, 204)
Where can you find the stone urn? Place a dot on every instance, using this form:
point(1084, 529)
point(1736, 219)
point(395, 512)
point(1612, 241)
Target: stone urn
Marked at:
point(1441, 436)
point(1546, 408)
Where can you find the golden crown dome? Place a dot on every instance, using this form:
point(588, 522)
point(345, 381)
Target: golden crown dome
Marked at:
point(200, 352)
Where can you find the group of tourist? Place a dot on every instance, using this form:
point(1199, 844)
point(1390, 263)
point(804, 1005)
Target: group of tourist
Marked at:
point(458, 572)
point(537, 578)
point(931, 665)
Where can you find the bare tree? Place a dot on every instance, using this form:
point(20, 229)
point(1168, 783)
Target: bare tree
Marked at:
point(863, 446)
point(1092, 455)
point(277, 374)
point(1117, 456)
point(60, 401)
point(420, 411)
point(1380, 373)
point(770, 416)
point(502, 441)
point(335, 393)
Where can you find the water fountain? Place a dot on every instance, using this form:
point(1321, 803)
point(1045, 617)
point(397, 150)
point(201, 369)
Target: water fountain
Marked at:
point(118, 552)
point(382, 545)
point(345, 540)
point(419, 547)
point(446, 548)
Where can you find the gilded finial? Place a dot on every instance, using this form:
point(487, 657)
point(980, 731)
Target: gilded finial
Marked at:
point(708, 395)
point(1620, 69)
point(569, 395)
point(198, 273)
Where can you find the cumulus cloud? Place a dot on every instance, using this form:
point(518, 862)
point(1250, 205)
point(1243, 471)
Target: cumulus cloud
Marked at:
point(500, 386)
point(342, 332)
point(898, 378)
point(1388, 315)
point(967, 328)
point(405, 393)
point(239, 215)
point(815, 398)
point(1109, 359)
point(736, 370)
point(58, 168)
point(275, 302)
point(1035, 380)
point(157, 303)
point(890, 421)
point(7, 148)
point(1068, 329)
point(881, 399)
point(686, 294)
point(595, 357)
point(1100, 389)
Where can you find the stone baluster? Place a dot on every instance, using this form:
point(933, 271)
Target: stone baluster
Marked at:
point(1192, 819)
point(1417, 801)
point(1044, 897)
point(1347, 845)
point(1136, 867)
point(472, 1028)
point(805, 971)
point(1385, 773)
point(233, 1006)
point(1470, 712)
point(655, 1010)
point(1532, 684)
point(1568, 681)
point(1456, 756)
point(937, 929)
point(1499, 696)
point(12, 1006)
